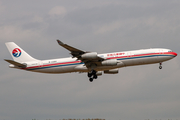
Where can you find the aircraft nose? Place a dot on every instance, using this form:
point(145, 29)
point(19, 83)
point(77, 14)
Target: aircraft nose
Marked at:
point(175, 54)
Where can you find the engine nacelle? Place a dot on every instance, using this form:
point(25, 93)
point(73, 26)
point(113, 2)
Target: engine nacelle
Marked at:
point(113, 71)
point(111, 62)
point(91, 55)
point(98, 73)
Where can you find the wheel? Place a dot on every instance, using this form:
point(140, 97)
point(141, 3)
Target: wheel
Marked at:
point(95, 76)
point(160, 67)
point(89, 74)
point(90, 79)
point(93, 72)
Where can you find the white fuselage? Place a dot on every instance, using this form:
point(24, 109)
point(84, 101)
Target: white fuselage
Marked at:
point(125, 58)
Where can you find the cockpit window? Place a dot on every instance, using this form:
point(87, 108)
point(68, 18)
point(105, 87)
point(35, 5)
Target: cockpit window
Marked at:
point(170, 51)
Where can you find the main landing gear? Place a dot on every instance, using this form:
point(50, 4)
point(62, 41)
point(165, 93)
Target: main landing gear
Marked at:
point(160, 65)
point(92, 75)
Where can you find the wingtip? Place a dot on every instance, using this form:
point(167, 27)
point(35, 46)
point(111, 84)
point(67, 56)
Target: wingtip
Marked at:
point(5, 59)
point(59, 42)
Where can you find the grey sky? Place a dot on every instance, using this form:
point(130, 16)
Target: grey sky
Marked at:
point(138, 93)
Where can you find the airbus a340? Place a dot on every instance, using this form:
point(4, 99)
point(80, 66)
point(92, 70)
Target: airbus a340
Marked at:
point(91, 62)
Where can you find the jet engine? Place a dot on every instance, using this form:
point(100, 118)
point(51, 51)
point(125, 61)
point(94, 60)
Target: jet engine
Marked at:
point(111, 62)
point(112, 71)
point(91, 55)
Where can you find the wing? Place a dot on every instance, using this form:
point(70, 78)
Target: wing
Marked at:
point(87, 57)
point(74, 52)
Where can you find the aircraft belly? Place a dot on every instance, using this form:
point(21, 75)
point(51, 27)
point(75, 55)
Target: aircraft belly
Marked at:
point(140, 61)
point(147, 60)
point(102, 68)
point(48, 70)
point(164, 58)
point(61, 69)
point(66, 69)
point(80, 68)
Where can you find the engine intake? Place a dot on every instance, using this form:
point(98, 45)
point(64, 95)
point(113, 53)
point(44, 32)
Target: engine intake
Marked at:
point(91, 55)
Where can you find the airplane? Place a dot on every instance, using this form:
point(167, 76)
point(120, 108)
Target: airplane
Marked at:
point(91, 62)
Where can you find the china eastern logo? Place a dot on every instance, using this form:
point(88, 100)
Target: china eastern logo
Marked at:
point(16, 52)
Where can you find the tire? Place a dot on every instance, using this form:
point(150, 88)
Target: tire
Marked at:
point(89, 74)
point(160, 67)
point(93, 72)
point(90, 79)
point(95, 76)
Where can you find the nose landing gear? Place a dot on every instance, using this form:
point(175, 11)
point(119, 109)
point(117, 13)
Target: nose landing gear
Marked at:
point(160, 65)
point(92, 75)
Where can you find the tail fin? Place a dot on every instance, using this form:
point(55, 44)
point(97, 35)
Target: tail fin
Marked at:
point(18, 54)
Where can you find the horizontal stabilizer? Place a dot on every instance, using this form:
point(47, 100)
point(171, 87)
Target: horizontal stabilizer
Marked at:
point(16, 63)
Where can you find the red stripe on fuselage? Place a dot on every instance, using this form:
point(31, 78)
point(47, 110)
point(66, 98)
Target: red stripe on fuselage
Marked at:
point(53, 64)
point(160, 53)
point(172, 53)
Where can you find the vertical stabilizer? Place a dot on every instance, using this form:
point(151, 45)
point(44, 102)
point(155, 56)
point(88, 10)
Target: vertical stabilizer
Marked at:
point(18, 54)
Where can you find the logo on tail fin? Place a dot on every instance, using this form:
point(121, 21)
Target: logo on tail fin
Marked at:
point(16, 52)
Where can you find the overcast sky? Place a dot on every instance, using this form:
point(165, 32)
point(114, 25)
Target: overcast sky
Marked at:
point(136, 93)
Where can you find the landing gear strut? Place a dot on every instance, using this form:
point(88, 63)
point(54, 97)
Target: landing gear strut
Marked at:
point(92, 75)
point(160, 65)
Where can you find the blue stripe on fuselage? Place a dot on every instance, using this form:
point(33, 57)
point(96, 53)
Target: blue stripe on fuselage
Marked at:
point(54, 66)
